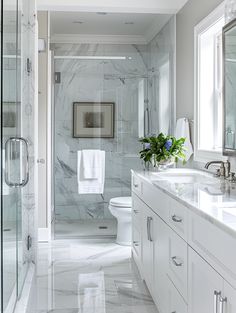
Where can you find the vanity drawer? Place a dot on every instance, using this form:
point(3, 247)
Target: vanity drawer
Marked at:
point(137, 206)
point(157, 200)
point(178, 262)
point(136, 243)
point(136, 185)
point(178, 218)
point(215, 245)
point(176, 303)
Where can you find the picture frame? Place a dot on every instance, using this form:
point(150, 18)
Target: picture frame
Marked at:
point(93, 119)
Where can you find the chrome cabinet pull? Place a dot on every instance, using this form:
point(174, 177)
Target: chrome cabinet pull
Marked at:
point(136, 243)
point(176, 219)
point(176, 263)
point(136, 185)
point(25, 180)
point(222, 301)
point(148, 228)
point(216, 300)
point(136, 211)
point(149, 220)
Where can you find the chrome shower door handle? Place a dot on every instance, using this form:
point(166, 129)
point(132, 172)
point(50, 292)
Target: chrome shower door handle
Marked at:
point(26, 176)
point(9, 154)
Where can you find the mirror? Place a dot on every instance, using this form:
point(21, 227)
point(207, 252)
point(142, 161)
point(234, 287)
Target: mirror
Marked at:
point(229, 108)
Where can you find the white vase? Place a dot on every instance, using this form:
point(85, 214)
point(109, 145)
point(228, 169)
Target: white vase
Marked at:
point(163, 165)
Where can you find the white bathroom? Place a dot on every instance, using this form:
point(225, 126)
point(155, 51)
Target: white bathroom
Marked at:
point(118, 153)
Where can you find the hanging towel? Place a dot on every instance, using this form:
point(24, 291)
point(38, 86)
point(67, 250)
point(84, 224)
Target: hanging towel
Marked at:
point(91, 185)
point(91, 162)
point(182, 130)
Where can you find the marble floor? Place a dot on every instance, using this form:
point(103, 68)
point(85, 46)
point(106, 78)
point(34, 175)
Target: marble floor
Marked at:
point(96, 228)
point(89, 276)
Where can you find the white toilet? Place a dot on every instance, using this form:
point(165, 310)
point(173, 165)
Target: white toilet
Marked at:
point(121, 208)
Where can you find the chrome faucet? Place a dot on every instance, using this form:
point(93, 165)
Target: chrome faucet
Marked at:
point(224, 170)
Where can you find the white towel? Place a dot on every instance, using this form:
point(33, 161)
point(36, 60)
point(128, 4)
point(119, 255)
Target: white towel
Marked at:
point(182, 131)
point(92, 163)
point(91, 186)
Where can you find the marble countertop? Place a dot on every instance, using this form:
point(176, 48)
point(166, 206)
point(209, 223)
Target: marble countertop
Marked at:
point(210, 197)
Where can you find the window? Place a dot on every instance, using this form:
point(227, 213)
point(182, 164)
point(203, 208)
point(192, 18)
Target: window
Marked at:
point(208, 87)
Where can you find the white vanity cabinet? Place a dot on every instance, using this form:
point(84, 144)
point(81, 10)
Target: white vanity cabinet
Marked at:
point(204, 285)
point(208, 291)
point(137, 208)
point(187, 262)
point(148, 224)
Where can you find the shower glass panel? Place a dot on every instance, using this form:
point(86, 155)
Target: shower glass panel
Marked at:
point(114, 74)
point(14, 161)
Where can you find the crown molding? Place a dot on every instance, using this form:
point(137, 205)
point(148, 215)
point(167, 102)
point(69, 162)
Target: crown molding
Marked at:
point(114, 6)
point(102, 39)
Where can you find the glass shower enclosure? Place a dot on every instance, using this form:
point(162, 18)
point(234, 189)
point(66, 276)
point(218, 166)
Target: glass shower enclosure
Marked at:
point(14, 157)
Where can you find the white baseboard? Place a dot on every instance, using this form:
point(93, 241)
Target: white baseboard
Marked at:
point(43, 234)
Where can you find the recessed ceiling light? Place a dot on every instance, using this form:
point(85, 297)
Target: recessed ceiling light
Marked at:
point(77, 22)
point(129, 23)
point(102, 13)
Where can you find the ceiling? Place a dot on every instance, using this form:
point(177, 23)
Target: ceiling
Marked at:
point(115, 6)
point(140, 27)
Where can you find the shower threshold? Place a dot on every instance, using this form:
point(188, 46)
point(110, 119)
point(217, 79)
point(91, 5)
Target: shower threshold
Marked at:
point(99, 228)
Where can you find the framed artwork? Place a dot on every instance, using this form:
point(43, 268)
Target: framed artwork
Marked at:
point(93, 120)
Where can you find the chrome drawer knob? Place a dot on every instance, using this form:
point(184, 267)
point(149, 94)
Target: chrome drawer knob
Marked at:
point(176, 219)
point(175, 261)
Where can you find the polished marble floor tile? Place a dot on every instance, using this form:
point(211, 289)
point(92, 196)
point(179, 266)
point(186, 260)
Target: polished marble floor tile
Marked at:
point(89, 276)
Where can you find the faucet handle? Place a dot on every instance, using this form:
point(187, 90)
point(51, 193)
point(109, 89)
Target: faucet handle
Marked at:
point(217, 173)
point(232, 177)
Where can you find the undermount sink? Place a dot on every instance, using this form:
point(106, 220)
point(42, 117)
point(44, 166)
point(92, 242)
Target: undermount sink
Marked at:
point(184, 176)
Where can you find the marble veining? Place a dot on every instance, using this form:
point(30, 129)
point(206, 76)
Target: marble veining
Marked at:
point(106, 80)
point(212, 198)
point(89, 276)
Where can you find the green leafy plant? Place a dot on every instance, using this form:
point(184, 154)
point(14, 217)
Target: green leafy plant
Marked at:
point(162, 148)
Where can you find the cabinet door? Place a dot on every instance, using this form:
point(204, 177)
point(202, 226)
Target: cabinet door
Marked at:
point(228, 299)
point(136, 229)
point(204, 284)
point(160, 257)
point(176, 303)
point(147, 245)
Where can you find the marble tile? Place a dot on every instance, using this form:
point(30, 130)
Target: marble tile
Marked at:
point(106, 80)
point(29, 127)
point(212, 198)
point(89, 276)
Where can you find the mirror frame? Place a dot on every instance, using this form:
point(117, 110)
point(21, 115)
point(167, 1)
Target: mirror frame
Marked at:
point(227, 27)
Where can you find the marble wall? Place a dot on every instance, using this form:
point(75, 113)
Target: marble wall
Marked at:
point(29, 92)
point(96, 81)
point(105, 80)
point(161, 52)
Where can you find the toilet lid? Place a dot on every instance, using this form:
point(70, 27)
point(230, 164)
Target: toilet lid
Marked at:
point(122, 202)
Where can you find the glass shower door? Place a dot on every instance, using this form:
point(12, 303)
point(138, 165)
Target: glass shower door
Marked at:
point(14, 151)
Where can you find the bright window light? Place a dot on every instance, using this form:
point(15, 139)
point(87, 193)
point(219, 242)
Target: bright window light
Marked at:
point(209, 87)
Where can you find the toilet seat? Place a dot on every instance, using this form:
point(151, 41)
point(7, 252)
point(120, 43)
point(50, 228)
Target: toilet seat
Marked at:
point(122, 202)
